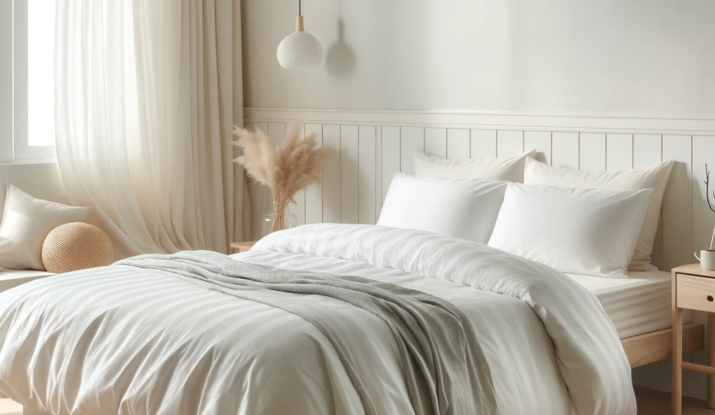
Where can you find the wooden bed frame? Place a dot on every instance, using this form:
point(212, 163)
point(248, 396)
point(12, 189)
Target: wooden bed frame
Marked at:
point(658, 345)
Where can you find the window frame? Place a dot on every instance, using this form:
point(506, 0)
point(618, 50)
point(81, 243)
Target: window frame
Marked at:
point(22, 152)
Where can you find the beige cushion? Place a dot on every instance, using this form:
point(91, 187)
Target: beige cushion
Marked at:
point(76, 246)
point(26, 221)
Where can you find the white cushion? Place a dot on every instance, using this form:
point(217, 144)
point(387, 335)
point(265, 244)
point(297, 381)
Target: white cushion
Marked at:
point(508, 169)
point(26, 221)
point(580, 231)
point(655, 177)
point(462, 208)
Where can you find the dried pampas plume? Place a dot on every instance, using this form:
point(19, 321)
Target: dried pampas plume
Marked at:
point(286, 168)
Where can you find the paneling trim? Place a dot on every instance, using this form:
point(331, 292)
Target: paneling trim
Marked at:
point(491, 120)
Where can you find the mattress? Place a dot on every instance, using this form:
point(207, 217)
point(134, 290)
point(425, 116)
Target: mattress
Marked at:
point(636, 305)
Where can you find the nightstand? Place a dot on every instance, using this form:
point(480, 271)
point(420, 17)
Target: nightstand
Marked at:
point(693, 289)
point(242, 246)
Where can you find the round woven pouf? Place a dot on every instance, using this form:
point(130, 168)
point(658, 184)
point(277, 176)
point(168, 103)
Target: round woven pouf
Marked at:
point(74, 246)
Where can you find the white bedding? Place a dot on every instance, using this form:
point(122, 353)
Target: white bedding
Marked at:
point(636, 305)
point(120, 340)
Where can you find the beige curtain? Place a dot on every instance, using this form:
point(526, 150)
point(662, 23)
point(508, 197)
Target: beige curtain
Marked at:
point(146, 94)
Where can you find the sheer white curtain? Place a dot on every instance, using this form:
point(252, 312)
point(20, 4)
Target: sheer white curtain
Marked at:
point(146, 96)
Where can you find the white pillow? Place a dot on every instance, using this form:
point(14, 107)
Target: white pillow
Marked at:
point(26, 221)
point(581, 231)
point(462, 208)
point(508, 169)
point(655, 177)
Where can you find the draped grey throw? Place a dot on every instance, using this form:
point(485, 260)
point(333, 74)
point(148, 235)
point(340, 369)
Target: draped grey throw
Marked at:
point(443, 363)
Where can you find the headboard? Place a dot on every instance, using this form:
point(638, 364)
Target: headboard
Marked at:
point(370, 146)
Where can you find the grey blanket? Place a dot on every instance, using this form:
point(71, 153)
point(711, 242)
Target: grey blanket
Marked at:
point(443, 364)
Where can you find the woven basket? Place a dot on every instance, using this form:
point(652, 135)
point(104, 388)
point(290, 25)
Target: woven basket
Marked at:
point(75, 246)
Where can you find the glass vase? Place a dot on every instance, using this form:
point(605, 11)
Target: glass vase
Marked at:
point(269, 218)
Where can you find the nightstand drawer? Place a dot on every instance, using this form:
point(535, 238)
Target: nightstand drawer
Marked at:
point(696, 293)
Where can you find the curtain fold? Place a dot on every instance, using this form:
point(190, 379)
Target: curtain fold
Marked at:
point(146, 95)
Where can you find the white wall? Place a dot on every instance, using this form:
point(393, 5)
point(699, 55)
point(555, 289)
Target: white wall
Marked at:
point(40, 180)
point(650, 57)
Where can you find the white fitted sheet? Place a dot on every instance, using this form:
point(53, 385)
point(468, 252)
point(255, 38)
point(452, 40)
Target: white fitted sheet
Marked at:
point(636, 305)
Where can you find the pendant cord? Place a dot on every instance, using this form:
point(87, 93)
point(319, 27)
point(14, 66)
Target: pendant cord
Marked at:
point(299, 8)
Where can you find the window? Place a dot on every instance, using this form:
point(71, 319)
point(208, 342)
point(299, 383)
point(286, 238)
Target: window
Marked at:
point(27, 121)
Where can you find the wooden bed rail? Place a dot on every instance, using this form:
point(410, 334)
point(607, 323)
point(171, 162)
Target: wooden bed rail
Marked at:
point(658, 345)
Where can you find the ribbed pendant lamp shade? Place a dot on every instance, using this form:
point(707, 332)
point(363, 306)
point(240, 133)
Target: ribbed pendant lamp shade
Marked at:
point(299, 49)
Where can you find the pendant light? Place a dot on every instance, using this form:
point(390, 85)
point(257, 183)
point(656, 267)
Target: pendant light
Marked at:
point(299, 49)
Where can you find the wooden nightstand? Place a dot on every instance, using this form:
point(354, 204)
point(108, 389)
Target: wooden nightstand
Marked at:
point(242, 246)
point(693, 289)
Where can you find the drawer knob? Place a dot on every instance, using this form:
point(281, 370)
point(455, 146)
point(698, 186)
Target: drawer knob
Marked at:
point(710, 298)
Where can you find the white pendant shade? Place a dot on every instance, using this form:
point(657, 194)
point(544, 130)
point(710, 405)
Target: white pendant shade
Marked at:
point(300, 49)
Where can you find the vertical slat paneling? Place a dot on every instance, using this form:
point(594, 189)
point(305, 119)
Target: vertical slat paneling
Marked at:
point(331, 175)
point(378, 172)
point(647, 151)
point(510, 143)
point(677, 203)
point(391, 155)
point(276, 132)
point(619, 154)
point(458, 143)
point(349, 175)
point(703, 217)
point(436, 141)
point(484, 144)
point(539, 141)
point(314, 193)
point(297, 208)
point(592, 152)
point(366, 173)
point(412, 138)
point(565, 150)
point(256, 192)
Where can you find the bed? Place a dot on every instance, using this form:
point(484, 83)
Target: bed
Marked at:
point(150, 341)
point(640, 308)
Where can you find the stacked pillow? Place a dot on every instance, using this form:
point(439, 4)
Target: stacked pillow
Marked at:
point(655, 177)
point(583, 231)
point(581, 222)
point(509, 169)
point(446, 206)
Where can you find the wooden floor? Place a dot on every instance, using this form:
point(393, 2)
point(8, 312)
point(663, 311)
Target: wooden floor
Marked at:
point(650, 402)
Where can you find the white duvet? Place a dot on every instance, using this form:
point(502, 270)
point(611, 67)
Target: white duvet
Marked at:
point(118, 340)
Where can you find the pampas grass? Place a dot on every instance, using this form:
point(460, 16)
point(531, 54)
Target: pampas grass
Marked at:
point(286, 168)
